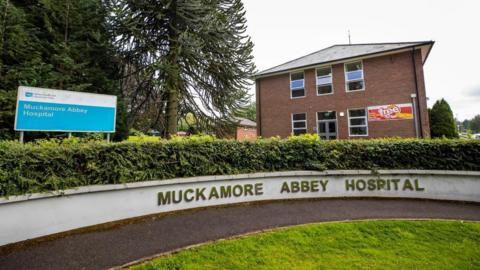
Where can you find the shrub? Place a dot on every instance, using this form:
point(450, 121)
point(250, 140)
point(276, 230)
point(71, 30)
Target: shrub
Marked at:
point(144, 138)
point(442, 122)
point(53, 165)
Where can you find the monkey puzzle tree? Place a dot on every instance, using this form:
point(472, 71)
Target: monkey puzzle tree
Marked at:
point(194, 56)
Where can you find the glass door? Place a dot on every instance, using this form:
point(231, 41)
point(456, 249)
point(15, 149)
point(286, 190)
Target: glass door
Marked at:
point(327, 125)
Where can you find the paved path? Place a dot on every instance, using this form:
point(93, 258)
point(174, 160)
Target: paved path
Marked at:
point(120, 245)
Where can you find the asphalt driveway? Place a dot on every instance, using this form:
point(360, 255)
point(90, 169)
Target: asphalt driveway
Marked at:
point(126, 243)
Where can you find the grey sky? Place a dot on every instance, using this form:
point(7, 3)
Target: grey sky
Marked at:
point(283, 30)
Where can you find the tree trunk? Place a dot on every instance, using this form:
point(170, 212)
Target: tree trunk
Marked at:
point(172, 74)
point(172, 95)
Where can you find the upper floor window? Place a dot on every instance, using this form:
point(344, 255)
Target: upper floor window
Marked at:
point(324, 81)
point(354, 76)
point(357, 122)
point(299, 123)
point(297, 85)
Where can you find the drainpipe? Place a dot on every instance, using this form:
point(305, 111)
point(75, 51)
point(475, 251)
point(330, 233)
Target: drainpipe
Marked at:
point(417, 116)
point(414, 105)
point(259, 105)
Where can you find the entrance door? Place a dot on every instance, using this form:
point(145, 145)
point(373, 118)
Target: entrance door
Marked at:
point(327, 125)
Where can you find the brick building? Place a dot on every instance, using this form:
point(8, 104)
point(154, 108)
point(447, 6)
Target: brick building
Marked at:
point(246, 129)
point(347, 91)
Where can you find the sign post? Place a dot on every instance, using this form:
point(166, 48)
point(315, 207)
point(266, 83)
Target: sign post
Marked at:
point(40, 109)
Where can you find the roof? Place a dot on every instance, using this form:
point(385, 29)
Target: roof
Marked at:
point(245, 122)
point(347, 51)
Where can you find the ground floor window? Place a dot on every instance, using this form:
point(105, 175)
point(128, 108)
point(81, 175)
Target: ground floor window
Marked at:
point(357, 122)
point(299, 123)
point(327, 125)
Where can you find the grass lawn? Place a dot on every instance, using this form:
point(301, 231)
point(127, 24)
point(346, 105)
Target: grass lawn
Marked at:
point(353, 245)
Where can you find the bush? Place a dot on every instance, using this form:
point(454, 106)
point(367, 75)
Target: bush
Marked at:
point(442, 122)
point(54, 165)
point(144, 138)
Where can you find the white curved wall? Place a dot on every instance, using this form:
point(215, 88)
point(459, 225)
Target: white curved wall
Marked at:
point(36, 215)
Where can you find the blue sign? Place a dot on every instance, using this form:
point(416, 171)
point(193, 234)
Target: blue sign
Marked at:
point(57, 110)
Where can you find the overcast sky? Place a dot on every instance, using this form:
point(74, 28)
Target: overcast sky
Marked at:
point(283, 30)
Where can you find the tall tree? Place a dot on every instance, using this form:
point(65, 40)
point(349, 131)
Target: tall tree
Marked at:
point(474, 124)
point(194, 54)
point(61, 44)
point(465, 125)
point(442, 123)
point(19, 62)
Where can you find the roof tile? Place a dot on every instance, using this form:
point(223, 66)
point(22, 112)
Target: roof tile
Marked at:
point(340, 52)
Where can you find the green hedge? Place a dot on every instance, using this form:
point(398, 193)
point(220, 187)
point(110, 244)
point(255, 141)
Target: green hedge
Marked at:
point(41, 167)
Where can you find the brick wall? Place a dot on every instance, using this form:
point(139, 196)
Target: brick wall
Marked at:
point(246, 133)
point(388, 80)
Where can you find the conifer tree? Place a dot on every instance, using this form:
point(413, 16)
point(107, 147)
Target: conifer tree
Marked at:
point(60, 44)
point(442, 122)
point(19, 61)
point(194, 56)
point(474, 124)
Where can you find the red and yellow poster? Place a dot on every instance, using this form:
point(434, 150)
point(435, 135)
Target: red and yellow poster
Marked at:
point(390, 112)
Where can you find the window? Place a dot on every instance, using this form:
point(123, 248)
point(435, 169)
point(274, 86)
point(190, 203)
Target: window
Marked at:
point(299, 123)
point(327, 115)
point(324, 81)
point(357, 122)
point(354, 76)
point(297, 85)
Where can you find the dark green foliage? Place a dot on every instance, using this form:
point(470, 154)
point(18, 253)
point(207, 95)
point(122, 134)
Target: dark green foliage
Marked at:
point(16, 54)
point(472, 124)
point(7, 114)
point(121, 128)
point(249, 112)
point(60, 44)
point(191, 57)
point(442, 123)
point(49, 166)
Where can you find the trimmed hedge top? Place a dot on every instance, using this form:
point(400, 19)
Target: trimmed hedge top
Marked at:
point(30, 168)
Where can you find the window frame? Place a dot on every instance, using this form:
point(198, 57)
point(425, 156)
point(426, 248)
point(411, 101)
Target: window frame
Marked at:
point(290, 84)
point(316, 82)
point(346, 79)
point(357, 117)
point(295, 121)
